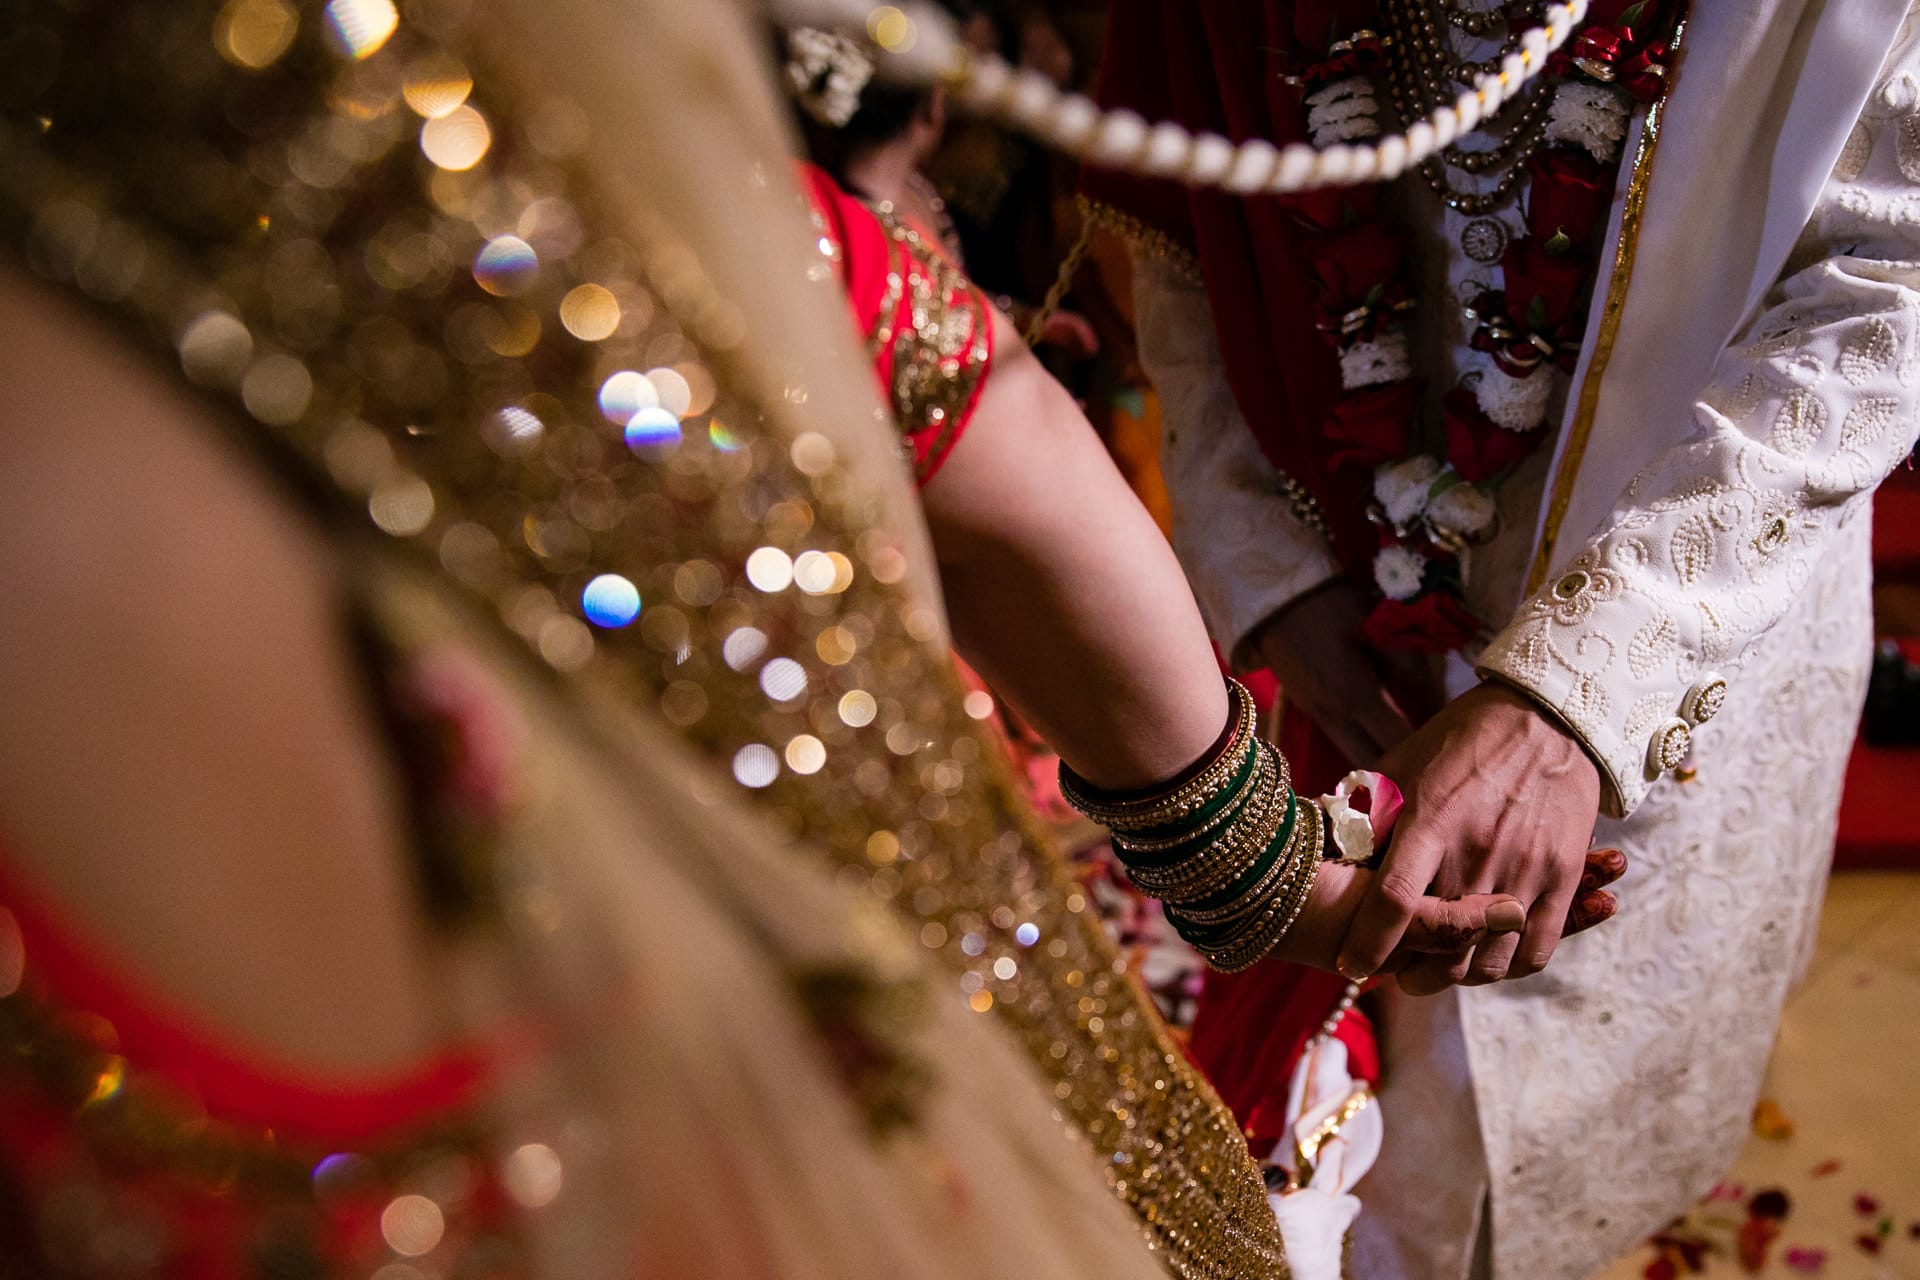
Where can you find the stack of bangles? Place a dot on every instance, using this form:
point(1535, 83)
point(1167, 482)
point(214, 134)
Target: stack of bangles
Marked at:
point(1228, 847)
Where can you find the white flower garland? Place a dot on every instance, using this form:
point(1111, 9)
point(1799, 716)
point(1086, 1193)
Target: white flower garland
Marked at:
point(1516, 403)
point(927, 50)
point(1344, 111)
point(1402, 487)
point(1593, 116)
point(1399, 572)
point(1385, 359)
point(1464, 510)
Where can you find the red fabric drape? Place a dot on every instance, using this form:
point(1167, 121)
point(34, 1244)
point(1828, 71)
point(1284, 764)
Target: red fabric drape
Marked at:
point(1221, 66)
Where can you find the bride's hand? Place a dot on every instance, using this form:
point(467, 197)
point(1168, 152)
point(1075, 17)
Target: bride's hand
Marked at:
point(1440, 926)
point(1443, 929)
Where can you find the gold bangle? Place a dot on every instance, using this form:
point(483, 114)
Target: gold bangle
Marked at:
point(1278, 919)
point(1243, 849)
point(1274, 761)
point(1160, 810)
point(1218, 865)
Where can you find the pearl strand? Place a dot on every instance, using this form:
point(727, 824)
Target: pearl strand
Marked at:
point(918, 44)
point(1340, 1011)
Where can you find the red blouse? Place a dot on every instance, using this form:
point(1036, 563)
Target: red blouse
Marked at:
point(928, 329)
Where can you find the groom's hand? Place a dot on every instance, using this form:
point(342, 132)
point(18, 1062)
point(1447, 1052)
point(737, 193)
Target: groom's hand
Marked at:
point(1329, 671)
point(1499, 799)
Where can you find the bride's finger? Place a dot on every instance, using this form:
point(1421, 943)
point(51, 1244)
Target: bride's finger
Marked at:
point(1590, 908)
point(1603, 867)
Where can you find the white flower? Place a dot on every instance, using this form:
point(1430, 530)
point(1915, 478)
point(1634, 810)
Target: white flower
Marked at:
point(826, 73)
point(1465, 510)
point(1366, 364)
point(1516, 403)
point(1342, 112)
point(1402, 487)
point(1399, 571)
point(1593, 116)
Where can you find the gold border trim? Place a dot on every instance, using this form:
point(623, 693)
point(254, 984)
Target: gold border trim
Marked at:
point(1101, 216)
point(1560, 492)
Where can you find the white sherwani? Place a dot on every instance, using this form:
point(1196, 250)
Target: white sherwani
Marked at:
point(1705, 519)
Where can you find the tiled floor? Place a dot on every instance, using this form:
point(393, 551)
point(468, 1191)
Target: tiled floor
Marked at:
point(1846, 1073)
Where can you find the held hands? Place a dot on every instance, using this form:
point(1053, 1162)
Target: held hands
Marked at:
point(1499, 799)
point(1441, 929)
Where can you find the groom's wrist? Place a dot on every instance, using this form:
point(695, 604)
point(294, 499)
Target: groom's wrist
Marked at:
point(1555, 727)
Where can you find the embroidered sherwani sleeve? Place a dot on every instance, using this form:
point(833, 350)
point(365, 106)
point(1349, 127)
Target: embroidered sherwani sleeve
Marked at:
point(1235, 531)
point(1640, 638)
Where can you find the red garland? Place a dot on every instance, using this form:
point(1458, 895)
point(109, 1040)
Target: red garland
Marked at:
point(1433, 622)
point(1535, 318)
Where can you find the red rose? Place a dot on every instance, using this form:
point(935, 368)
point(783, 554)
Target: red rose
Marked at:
point(1373, 425)
point(1645, 74)
point(1477, 447)
point(1569, 195)
point(1541, 287)
point(1431, 623)
point(1351, 264)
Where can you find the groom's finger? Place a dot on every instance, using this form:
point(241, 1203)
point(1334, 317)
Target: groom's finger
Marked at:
point(1449, 925)
point(1445, 928)
point(1392, 899)
point(1430, 975)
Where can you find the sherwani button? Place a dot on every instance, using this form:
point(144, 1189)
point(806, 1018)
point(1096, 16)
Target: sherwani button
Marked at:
point(1571, 585)
point(1668, 748)
point(1704, 700)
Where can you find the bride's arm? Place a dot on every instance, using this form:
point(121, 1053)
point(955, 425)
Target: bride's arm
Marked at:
point(1063, 593)
point(1066, 596)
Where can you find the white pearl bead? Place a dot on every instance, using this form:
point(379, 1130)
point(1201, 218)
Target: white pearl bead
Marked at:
point(1032, 100)
point(1075, 119)
point(1252, 166)
point(1167, 147)
point(1296, 165)
point(1120, 137)
point(1467, 107)
point(1208, 161)
point(1446, 127)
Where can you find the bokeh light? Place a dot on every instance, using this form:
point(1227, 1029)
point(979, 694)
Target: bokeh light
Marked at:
point(610, 601)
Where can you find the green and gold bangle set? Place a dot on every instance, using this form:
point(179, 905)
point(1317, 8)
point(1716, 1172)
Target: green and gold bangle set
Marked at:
point(1231, 851)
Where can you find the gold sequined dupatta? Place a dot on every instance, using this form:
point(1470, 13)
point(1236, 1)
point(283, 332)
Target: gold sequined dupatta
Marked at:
point(552, 328)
